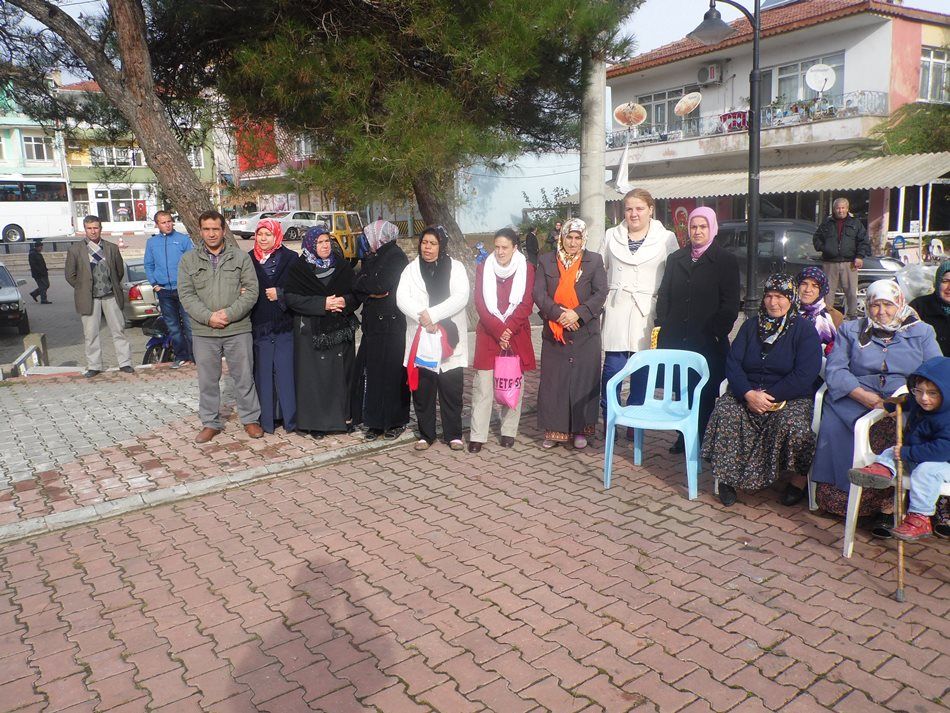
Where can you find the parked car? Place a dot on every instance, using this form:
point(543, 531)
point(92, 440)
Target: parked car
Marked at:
point(12, 306)
point(296, 222)
point(142, 301)
point(785, 245)
point(246, 225)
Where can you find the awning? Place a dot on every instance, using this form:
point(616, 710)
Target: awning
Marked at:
point(867, 173)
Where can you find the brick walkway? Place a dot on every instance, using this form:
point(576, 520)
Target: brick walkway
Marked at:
point(508, 581)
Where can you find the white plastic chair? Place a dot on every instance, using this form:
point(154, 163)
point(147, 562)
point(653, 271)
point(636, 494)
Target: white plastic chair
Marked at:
point(863, 455)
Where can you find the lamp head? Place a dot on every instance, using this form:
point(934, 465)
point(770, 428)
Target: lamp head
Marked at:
point(712, 30)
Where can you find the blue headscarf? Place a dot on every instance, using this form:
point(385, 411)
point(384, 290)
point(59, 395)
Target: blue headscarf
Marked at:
point(308, 247)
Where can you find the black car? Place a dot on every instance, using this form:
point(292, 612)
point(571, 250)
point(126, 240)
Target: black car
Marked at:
point(786, 246)
point(12, 306)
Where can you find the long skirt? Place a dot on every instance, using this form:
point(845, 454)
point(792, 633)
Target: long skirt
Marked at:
point(748, 451)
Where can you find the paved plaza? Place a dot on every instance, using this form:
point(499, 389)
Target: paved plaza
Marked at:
point(287, 574)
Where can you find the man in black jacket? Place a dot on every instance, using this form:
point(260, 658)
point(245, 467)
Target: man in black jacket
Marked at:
point(531, 246)
point(843, 243)
point(39, 272)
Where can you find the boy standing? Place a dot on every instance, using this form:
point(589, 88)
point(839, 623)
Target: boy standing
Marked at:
point(925, 453)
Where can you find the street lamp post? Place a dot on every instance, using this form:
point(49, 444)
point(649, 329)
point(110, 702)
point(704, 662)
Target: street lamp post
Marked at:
point(711, 31)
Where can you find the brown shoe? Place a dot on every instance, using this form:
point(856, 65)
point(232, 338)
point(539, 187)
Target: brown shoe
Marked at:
point(254, 430)
point(206, 434)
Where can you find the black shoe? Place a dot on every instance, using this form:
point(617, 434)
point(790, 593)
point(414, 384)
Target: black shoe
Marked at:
point(89, 373)
point(33, 296)
point(392, 433)
point(317, 435)
point(46, 302)
point(878, 525)
point(942, 529)
point(126, 369)
point(727, 495)
point(792, 495)
point(474, 447)
point(507, 441)
point(680, 446)
point(372, 434)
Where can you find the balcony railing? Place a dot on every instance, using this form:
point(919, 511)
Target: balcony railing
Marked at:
point(859, 103)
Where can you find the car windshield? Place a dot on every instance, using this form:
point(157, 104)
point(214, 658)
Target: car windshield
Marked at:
point(6, 279)
point(136, 272)
point(798, 246)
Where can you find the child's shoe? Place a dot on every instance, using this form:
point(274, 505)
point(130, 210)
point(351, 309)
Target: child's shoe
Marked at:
point(876, 475)
point(914, 527)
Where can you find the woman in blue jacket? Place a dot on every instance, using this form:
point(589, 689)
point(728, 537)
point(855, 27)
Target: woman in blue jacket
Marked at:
point(761, 427)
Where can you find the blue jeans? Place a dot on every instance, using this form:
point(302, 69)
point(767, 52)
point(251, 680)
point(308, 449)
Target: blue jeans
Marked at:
point(614, 362)
point(176, 319)
point(926, 480)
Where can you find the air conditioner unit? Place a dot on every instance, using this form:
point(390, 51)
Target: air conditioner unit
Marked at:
point(710, 73)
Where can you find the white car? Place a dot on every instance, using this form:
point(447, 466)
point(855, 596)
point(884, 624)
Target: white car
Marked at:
point(296, 222)
point(246, 225)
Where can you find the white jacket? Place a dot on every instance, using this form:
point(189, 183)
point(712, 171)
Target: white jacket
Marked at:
point(412, 298)
point(633, 281)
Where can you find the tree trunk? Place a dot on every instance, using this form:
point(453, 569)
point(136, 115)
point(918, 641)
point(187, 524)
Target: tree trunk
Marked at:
point(435, 210)
point(132, 91)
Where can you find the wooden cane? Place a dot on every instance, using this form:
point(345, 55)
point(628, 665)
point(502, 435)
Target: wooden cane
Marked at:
point(898, 401)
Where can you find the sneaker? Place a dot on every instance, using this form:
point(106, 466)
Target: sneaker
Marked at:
point(914, 527)
point(876, 475)
point(942, 529)
point(179, 364)
point(89, 373)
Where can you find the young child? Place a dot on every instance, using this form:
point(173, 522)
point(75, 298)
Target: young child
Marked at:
point(925, 451)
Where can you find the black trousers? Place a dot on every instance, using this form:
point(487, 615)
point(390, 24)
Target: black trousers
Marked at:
point(448, 386)
point(42, 285)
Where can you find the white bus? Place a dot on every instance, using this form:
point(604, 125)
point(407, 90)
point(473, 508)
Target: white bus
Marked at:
point(33, 208)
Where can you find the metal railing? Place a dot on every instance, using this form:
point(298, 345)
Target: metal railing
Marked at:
point(777, 114)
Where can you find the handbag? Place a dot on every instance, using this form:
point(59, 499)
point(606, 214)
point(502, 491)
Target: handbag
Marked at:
point(508, 379)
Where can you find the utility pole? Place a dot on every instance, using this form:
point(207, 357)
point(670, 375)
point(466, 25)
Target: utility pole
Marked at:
point(593, 152)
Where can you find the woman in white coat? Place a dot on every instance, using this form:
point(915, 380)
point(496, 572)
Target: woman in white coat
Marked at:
point(634, 255)
point(433, 293)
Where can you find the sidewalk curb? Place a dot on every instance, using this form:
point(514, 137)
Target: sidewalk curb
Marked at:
point(186, 491)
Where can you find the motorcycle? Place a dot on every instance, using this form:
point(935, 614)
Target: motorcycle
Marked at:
point(159, 347)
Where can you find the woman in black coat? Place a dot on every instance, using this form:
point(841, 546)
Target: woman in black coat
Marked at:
point(698, 303)
point(934, 309)
point(381, 392)
point(319, 290)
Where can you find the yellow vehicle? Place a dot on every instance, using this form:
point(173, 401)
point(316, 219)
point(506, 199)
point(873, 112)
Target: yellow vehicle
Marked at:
point(345, 226)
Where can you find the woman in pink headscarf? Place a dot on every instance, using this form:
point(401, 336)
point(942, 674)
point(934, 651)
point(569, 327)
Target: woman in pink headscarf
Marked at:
point(698, 303)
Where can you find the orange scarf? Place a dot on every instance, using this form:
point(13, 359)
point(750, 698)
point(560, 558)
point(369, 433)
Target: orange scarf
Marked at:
point(566, 294)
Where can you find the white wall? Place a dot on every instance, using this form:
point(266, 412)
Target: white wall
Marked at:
point(492, 200)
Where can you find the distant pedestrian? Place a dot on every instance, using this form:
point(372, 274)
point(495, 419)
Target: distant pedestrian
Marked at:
point(272, 324)
point(532, 248)
point(554, 237)
point(94, 269)
point(218, 287)
point(163, 252)
point(843, 244)
point(39, 272)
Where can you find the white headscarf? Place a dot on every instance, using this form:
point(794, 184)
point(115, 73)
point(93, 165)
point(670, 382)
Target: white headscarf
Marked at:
point(379, 233)
point(889, 291)
point(492, 272)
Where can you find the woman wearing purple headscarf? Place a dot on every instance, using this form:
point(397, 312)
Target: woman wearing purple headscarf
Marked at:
point(698, 303)
point(812, 289)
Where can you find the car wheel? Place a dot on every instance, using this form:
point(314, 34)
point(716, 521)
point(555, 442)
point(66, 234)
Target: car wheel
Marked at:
point(13, 234)
point(24, 326)
point(292, 234)
point(862, 298)
point(153, 355)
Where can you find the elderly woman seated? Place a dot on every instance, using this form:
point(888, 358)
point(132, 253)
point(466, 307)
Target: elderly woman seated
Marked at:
point(871, 359)
point(761, 427)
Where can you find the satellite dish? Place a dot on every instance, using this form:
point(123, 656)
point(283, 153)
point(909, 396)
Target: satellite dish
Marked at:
point(687, 104)
point(630, 114)
point(820, 77)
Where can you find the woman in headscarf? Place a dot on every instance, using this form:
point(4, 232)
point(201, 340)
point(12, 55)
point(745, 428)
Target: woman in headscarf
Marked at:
point(320, 291)
point(761, 427)
point(812, 290)
point(872, 358)
point(272, 325)
point(635, 254)
point(381, 394)
point(503, 300)
point(698, 303)
point(934, 308)
point(570, 289)
point(432, 294)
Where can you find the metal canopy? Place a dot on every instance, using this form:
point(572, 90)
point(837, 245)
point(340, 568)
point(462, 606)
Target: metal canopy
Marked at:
point(868, 173)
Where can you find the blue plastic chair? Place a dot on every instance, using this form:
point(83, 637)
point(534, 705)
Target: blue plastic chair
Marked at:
point(664, 414)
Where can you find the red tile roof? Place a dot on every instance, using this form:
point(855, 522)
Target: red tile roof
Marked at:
point(87, 86)
point(776, 21)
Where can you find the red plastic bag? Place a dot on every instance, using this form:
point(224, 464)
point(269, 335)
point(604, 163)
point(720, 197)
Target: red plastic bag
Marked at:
point(508, 379)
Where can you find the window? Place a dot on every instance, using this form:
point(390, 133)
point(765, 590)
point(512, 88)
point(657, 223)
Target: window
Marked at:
point(116, 156)
point(303, 147)
point(44, 192)
point(934, 78)
point(196, 157)
point(10, 191)
point(799, 246)
point(660, 116)
point(120, 204)
point(791, 78)
point(38, 148)
point(340, 223)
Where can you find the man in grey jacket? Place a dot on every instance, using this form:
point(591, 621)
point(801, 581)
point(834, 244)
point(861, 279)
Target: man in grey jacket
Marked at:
point(95, 270)
point(218, 287)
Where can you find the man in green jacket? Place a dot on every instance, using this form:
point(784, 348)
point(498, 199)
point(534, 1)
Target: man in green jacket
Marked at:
point(218, 287)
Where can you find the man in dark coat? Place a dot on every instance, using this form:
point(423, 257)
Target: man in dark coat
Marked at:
point(554, 236)
point(531, 246)
point(843, 243)
point(39, 272)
